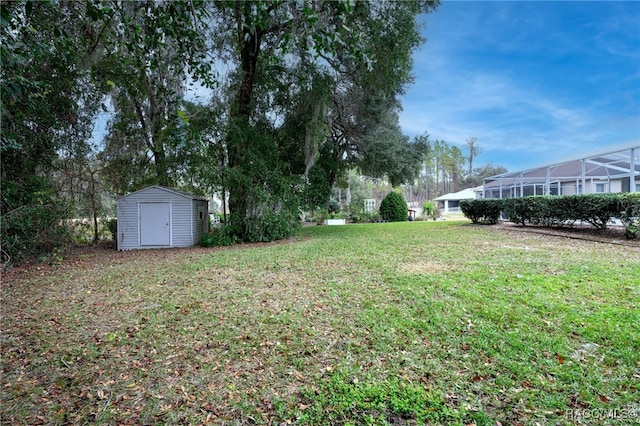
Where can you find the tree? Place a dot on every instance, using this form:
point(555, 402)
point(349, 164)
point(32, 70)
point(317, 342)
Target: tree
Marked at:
point(453, 164)
point(480, 173)
point(47, 106)
point(313, 90)
point(148, 52)
point(343, 55)
point(58, 58)
point(81, 185)
point(394, 208)
point(474, 151)
point(364, 106)
point(388, 153)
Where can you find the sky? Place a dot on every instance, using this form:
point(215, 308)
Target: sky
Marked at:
point(534, 82)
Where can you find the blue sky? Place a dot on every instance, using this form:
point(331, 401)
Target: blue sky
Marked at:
point(534, 82)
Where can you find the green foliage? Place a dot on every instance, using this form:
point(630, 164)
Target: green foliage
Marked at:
point(218, 237)
point(265, 198)
point(628, 212)
point(478, 174)
point(317, 191)
point(397, 323)
point(536, 210)
point(333, 207)
point(393, 208)
point(82, 231)
point(428, 209)
point(319, 215)
point(365, 217)
point(331, 70)
point(273, 226)
point(32, 219)
point(343, 400)
point(595, 209)
point(46, 111)
point(386, 152)
point(485, 211)
point(444, 169)
point(112, 226)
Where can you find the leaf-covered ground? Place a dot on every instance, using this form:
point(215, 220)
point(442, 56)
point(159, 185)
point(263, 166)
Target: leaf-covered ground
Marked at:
point(409, 323)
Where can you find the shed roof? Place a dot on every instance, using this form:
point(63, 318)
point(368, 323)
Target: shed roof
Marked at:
point(170, 190)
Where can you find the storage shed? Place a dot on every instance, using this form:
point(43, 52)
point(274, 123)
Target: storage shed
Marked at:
point(157, 217)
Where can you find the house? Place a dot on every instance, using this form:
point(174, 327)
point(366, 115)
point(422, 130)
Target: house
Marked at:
point(157, 217)
point(616, 169)
point(450, 203)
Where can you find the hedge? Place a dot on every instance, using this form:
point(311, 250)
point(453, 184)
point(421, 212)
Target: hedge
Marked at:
point(596, 209)
point(629, 213)
point(482, 211)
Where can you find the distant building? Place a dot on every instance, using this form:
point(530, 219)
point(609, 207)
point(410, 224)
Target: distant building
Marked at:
point(450, 203)
point(616, 169)
point(369, 205)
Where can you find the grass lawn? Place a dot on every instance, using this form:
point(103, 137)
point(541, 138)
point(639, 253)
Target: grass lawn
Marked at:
point(397, 323)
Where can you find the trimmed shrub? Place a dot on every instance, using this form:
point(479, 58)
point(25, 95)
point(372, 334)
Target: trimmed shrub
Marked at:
point(394, 208)
point(629, 213)
point(537, 210)
point(485, 211)
point(595, 209)
point(518, 210)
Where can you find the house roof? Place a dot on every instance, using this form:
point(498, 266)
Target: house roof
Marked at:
point(465, 194)
point(170, 190)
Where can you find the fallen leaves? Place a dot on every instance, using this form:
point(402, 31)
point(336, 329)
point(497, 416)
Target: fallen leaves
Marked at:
point(195, 336)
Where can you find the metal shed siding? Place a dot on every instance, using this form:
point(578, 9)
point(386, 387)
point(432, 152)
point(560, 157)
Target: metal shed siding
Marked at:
point(181, 221)
point(182, 216)
point(200, 224)
point(128, 236)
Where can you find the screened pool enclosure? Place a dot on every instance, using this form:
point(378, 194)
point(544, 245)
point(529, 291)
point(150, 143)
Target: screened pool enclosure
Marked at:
point(616, 169)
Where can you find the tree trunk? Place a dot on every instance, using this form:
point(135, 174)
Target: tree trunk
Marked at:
point(94, 207)
point(160, 159)
point(237, 143)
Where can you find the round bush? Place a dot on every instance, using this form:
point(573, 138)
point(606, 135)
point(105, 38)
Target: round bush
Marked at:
point(393, 208)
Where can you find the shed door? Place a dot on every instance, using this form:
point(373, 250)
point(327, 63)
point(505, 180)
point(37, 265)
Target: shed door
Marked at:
point(155, 224)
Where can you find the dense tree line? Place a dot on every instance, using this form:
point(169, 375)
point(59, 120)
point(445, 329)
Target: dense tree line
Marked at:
point(301, 92)
point(449, 168)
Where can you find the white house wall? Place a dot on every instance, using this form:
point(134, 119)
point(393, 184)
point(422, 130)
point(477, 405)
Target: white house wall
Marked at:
point(568, 188)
